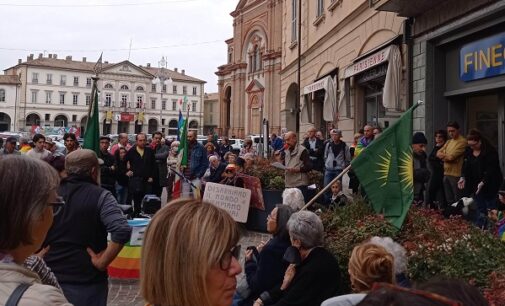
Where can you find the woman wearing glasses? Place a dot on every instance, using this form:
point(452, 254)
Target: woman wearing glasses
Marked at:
point(28, 201)
point(190, 256)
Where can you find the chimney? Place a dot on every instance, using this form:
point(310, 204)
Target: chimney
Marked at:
point(40, 55)
point(30, 58)
point(148, 65)
point(84, 59)
point(55, 56)
point(20, 61)
point(68, 58)
point(183, 72)
point(175, 69)
point(49, 55)
point(106, 62)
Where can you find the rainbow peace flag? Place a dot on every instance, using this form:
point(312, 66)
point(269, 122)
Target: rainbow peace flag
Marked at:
point(127, 263)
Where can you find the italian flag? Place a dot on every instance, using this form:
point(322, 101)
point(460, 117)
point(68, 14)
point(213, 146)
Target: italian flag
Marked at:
point(182, 156)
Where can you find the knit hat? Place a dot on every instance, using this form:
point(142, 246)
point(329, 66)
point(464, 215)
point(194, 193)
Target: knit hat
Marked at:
point(419, 138)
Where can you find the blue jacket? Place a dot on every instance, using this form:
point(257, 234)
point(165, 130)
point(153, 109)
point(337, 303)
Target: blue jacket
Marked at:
point(198, 162)
point(268, 271)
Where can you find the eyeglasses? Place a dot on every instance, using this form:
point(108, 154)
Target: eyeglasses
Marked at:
point(57, 205)
point(228, 171)
point(225, 261)
point(426, 294)
point(270, 217)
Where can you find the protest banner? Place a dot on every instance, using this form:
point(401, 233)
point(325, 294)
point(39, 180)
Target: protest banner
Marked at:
point(234, 200)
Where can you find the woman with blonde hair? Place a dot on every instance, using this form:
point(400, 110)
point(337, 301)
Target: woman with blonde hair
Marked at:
point(369, 263)
point(190, 256)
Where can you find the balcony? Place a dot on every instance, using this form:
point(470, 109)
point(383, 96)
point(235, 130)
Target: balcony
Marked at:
point(405, 8)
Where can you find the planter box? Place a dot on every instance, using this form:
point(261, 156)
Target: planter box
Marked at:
point(257, 219)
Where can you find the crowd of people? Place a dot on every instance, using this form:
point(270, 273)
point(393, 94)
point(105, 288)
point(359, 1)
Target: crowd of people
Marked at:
point(54, 244)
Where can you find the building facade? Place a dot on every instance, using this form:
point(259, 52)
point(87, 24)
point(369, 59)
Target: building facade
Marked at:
point(353, 67)
point(57, 92)
point(210, 113)
point(9, 95)
point(459, 66)
point(248, 83)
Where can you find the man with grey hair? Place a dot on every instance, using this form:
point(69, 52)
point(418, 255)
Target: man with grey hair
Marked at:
point(297, 163)
point(122, 143)
point(313, 275)
point(315, 146)
point(215, 171)
point(79, 253)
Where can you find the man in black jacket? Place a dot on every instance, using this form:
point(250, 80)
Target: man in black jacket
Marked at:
point(79, 252)
point(107, 169)
point(160, 172)
point(421, 172)
point(141, 171)
point(315, 146)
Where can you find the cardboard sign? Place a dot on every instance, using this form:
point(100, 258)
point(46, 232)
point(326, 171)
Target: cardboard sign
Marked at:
point(234, 200)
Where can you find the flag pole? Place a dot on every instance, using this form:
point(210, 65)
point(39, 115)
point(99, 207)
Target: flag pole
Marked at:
point(322, 191)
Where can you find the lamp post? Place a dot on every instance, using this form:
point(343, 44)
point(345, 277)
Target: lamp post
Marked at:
point(162, 79)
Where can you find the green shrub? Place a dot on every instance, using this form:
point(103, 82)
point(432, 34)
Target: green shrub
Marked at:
point(436, 247)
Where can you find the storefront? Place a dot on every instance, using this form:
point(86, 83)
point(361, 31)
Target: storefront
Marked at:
point(469, 84)
point(375, 78)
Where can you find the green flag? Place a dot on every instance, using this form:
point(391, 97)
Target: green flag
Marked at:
point(385, 170)
point(92, 133)
point(183, 145)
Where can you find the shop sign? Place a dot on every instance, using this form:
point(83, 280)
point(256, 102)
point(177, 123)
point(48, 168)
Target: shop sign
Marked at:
point(368, 62)
point(483, 58)
point(127, 117)
point(314, 86)
point(373, 73)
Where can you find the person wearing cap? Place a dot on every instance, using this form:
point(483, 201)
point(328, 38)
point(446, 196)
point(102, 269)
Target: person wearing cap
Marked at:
point(10, 147)
point(337, 157)
point(78, 250)
point(39, 151)
point(231, 178)
point(108, 168)
point(421, 172)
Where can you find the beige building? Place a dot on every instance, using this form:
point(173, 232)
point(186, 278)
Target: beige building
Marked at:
point(56, 93)
point(210, 113)
point(362, 52)
point(9, 94)
point(249, 82)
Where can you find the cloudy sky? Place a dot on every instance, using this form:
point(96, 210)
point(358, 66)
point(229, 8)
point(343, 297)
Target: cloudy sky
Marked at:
point(189, 33)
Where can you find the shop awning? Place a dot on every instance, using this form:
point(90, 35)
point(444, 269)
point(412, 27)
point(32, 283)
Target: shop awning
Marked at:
point(330, 103)
point(391, 90)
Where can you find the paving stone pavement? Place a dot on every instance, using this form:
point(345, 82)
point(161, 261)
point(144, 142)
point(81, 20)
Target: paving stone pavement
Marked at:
point(126, 292)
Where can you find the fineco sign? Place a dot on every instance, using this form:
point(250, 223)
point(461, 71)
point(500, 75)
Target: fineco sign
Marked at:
point(482, 59)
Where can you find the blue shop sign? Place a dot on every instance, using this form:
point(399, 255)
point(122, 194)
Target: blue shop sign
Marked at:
point(482, 59)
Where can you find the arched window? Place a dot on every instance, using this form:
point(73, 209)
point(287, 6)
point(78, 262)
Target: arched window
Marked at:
point(140, 88)
point(108, 86)
point(124, 87)
point(172, 127)
point(2, 95)
point(193, 125)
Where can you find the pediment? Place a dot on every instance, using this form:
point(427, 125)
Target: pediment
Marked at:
point(255, 86)
point(127, 68)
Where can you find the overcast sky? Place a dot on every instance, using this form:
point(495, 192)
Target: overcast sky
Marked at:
point(190, 33)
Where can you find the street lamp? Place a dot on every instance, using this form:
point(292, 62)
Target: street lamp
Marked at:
point(162, 79)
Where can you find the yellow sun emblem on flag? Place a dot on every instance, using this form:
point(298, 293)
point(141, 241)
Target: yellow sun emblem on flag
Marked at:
point(406, 165)
point(405, 168)
point(384, 164)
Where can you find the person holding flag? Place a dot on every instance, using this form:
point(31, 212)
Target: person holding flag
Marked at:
point(192, 163)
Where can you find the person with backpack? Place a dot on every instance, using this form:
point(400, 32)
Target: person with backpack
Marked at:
point(336, 158)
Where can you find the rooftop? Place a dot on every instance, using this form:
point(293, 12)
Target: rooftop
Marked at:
point(9, 80)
